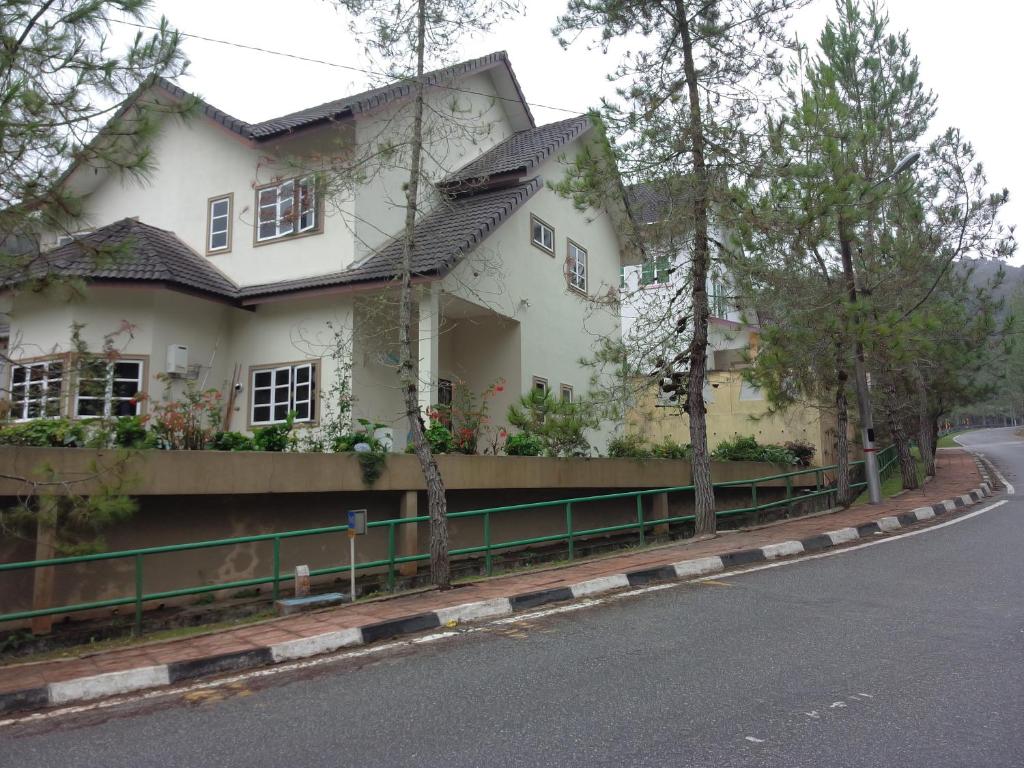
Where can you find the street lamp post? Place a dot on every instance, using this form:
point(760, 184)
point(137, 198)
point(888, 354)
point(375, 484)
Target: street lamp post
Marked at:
point(867, 426)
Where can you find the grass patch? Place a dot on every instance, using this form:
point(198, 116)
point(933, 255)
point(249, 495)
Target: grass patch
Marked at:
point(894, 483)
point(946, 441)
point(74, 651)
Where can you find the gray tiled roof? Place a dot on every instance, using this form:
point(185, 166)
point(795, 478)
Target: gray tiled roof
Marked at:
point(443, 236)
point(150, 255)
point(350, 105)
point(522, 152)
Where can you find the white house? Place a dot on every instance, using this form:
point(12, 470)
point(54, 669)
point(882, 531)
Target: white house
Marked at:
point(270, 248)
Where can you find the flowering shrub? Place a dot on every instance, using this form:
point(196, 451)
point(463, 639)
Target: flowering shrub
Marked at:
point(188, 424)
point(466, 418)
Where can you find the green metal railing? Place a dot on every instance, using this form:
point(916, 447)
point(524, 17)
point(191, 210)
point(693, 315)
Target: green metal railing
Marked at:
point(571, 535)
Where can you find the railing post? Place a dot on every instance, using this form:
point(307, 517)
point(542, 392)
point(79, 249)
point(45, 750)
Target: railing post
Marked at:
point(487, 543)
point(138, 595)
point(753, 496)
point(640, 518)
point(277, 568)
point(568, 529)
point(391, 555)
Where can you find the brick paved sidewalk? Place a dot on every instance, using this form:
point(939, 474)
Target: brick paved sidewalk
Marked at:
point(957, 474)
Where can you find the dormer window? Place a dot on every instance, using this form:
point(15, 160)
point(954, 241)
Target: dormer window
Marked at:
point(287, 209)
point(542, 235)
point(218, 224)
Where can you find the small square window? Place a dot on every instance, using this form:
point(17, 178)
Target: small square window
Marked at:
point(565, 392)
point(542, 235)
point(540, 384)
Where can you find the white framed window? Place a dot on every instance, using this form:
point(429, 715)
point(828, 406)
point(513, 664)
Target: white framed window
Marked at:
point(108, 388)
point(540, 384)
point(36, 389)
point(280, 390)
point(565, 392)
point(286, 209)
point(576, 267)
point(542, 235)
point(218, 228)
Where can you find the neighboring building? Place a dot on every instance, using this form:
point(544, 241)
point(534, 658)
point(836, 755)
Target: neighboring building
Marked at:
point(734, 406)
point(247, 249)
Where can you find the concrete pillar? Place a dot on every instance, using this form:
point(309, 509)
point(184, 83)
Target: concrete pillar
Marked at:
point(429, 335)
point(408, 534)
point(659, 511)
point(43, 579)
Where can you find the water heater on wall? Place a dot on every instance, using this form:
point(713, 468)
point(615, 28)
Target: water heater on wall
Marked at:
point(177, 359)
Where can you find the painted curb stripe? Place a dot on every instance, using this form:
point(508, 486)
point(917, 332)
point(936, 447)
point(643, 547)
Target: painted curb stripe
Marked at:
point(108, 684)
point(889, 523)
point(304, 647)
point(688, 568)
point(843, 535)
point(814, 543)
point(743, 557)
point(402, 626)
point(923, 513)
point(782, 549)
point(868, 529)
point(599, 585)
point(939, 509)
point(212, 665)
point(906, 519)
point(483, 609)
point(27, 698)
point(646, 576)
point(533, 599)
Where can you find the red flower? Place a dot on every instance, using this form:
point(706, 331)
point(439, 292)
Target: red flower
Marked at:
point(499, 388)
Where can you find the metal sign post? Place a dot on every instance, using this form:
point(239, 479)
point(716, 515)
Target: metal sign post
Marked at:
point(356, 527)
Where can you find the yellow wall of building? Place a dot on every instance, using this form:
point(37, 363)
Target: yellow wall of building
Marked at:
point(734, 408)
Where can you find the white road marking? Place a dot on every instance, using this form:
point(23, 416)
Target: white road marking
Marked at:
point(846, 550)
point(264, 672)
point(977, 451)
point(755, 740)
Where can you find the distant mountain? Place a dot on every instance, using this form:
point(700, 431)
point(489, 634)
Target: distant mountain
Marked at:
point(985, 271)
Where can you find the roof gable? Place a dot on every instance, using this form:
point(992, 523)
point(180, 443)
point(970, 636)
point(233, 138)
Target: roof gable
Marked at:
point(367, 101)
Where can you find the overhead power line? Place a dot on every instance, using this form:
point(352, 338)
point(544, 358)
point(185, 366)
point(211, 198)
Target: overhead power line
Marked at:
point(311, 60)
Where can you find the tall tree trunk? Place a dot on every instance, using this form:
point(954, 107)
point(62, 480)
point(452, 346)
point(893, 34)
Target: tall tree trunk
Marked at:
point(842, 444)
point(704, 490)
point(908, 467)
point(437, 505)
point(925, 439)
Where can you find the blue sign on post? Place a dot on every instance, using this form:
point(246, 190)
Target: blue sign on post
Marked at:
point(357, 522)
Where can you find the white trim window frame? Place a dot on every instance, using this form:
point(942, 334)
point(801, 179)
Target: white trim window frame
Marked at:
point(542, 235)
point(111, 388)
point(565, 392)
point(37, 389)
point(280, 390)
point(218, 235)
point(276, 208)
point(576, 268)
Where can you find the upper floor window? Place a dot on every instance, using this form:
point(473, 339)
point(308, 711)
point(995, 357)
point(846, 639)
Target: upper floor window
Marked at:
point(565, 392)
point(108, 387)
point(719, 300)
point(540, 385)
point(36, 389)
point(576, 267)
point(656, 271)
point(218, 227)
point(542, 235)
point(280, 390)
point(289, 208)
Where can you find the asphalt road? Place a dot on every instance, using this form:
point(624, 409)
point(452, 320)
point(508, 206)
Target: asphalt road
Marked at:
point(910, 653)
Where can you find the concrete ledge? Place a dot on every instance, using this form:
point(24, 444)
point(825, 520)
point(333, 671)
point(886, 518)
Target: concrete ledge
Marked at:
point(290, 605)
point(108, 684)
point(782, 549)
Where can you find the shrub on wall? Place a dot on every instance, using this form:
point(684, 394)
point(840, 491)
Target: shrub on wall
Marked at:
point(233, 441)
point(523, 444)
point(803, 451)
point(45, 433)
point(748, 449)
point(628, 447)
point(560, 425)
point(670, 449)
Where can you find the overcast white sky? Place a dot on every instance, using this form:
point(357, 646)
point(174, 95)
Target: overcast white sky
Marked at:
point(971, 55)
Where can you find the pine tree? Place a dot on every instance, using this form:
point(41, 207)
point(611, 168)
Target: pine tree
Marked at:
point(682, 119)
